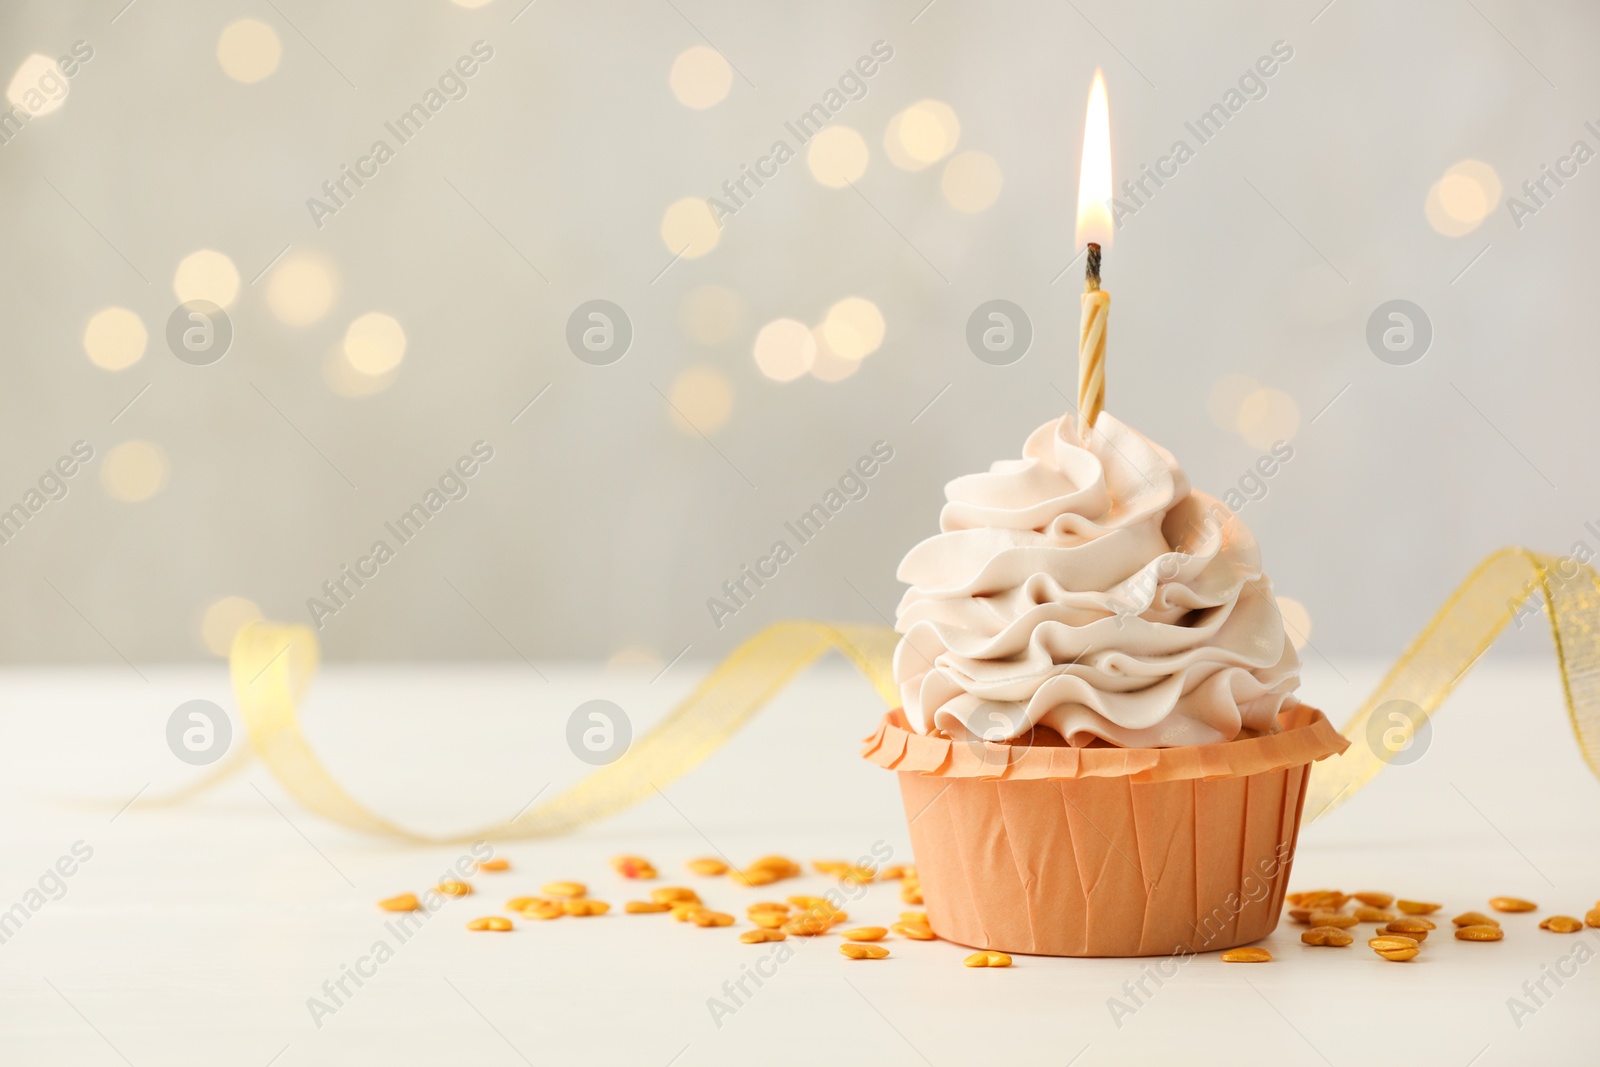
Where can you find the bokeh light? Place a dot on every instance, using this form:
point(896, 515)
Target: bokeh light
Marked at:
point(635, 659)
point(853, 328)
point(971, 182)
point(249, 50)
point(700, 77)
point(785, 349)
point(1268, 416)
point(374, 343)
point(206, 275)
point(346, 381)
point(837, 156)
point(302, 288)
point(1296, 621)
point(829, 366)
point(923, 133)
point(115, 338)
point(223, 619)
point(710, 314)
point(1227, 396)
point(38, 87)
point(1458, 202)
point(134, 471)
point(702, 400)
point(689, 228)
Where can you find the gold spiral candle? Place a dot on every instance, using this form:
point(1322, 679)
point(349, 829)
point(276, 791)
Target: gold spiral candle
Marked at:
point(1092, 347)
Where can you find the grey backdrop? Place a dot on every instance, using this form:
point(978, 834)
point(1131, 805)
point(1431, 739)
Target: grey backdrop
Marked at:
point(600, 524)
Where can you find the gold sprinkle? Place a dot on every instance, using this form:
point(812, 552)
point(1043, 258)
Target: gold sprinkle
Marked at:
point(1330, 936)
point(1417, 907)
point(857, 951)
point(1512, 904)
point(564, 889)
point(1247, 955)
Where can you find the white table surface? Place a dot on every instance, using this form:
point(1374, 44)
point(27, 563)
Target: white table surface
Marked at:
point(196, 935)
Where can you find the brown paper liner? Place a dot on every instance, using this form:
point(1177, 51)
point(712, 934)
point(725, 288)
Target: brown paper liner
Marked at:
point(1061, 851)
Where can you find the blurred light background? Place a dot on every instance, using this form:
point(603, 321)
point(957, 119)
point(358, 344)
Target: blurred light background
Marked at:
point(164, 151)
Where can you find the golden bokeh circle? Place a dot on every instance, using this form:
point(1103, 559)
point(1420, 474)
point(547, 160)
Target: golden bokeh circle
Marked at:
point(1296, 621)
point(784, 349)
point(1464, 199)
point(853, 328)
point(1460, 200)
point(635, 659)
point(206, 275)
point(971, 182)
point(134, 471)
point(223, 619)
point(249, 50)
point(1268, 416)
point(837, 156)
point(689, 229)
point(700, 77)
point(115, 338)
point(374, 343)
point(702, 400)
point(38, 87)
point(348, 382)
point(829, 366)
point(302, 288)
point(923, 133)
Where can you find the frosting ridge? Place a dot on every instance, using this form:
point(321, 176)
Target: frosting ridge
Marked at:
point(1086, 587)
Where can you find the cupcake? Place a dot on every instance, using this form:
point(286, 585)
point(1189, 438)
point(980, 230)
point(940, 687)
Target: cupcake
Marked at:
point(1100, 747)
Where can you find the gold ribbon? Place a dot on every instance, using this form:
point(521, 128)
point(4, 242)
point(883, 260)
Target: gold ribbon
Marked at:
point(1457, 635)
point(272, 666)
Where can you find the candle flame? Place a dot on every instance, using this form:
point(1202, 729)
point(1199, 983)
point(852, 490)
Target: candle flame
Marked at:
point(1094, 178)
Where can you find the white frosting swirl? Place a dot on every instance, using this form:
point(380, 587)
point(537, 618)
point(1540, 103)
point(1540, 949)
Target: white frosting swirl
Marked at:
point(1089, 590)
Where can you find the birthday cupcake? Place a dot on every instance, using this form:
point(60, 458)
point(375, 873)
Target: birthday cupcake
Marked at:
point(1100, 750)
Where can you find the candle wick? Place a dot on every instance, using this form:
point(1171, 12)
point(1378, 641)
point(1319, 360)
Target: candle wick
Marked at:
point(1091, 269)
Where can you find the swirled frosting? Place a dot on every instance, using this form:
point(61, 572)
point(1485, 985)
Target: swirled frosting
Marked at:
point(1087, 588)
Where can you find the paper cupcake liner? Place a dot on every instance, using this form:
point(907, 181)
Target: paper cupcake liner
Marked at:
point(1059, 851)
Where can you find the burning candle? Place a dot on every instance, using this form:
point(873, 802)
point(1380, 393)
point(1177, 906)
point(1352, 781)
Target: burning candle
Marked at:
point(1094, 231)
